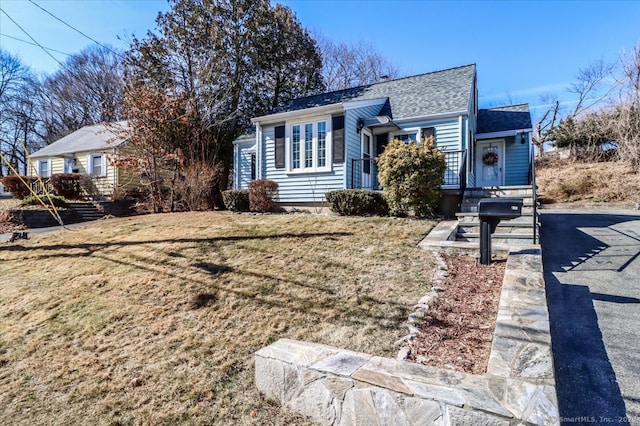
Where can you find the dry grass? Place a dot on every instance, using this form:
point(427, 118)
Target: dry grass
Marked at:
point(154, 319)
point(565, 180)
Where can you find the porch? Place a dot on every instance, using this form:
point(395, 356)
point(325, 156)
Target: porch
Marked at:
point(364, 172)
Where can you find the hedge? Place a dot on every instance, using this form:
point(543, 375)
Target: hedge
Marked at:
point(357, 202)
point(16, 187)
point(236, 200)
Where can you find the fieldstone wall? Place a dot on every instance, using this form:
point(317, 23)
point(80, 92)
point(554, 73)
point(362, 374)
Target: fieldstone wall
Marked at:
point(339, 387)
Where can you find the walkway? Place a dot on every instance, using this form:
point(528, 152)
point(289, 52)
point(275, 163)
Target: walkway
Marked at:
point(592, 273)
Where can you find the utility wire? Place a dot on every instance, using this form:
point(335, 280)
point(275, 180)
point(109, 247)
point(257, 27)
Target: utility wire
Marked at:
point(73, 28)
point(34, 44)
point(32, 39)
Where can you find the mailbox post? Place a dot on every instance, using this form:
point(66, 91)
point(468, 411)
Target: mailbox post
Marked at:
point(491, 211)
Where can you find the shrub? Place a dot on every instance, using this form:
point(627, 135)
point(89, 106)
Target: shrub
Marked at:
point(357, 202)
point(32, 200)
point(194, 187)
point(263, 194)
point(411, 175)
point(236, 200)
point(67, 185)
point(16, 187)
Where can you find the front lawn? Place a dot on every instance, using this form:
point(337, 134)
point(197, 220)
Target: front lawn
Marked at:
point(155, 319)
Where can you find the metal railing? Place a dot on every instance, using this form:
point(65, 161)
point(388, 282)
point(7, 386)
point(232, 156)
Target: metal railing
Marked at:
point(534, 192)
point(364, 171)
point(38, 188)
point(364, 174)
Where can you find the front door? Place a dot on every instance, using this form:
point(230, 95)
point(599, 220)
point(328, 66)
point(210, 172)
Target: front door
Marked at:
point(367, 146)
point(490, 163)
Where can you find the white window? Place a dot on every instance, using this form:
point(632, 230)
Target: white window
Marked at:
point(309, 146)
point(97, 165)
point(44, 168)
point(406, 136)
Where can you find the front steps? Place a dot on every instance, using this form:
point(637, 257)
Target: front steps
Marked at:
point(521, 230)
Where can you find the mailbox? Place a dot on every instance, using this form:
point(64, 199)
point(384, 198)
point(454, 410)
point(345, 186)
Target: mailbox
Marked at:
point(500, 208)
point(491, 211)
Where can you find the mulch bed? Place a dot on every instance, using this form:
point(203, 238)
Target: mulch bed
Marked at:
point(458, 330)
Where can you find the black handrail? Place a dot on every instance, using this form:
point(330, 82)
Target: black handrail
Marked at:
point(534, 192)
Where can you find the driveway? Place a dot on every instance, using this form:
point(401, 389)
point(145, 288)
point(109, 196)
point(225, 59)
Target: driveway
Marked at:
point(592, 272)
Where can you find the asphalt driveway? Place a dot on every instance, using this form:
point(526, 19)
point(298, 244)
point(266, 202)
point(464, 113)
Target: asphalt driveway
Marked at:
point(592, 273)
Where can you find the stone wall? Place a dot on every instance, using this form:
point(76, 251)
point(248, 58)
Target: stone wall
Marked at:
point(339, 387)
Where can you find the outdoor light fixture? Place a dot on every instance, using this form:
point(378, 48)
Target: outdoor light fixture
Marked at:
point(360, 125)
point(523, 139)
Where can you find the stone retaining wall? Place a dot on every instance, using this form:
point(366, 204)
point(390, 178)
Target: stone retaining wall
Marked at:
point(339, 387)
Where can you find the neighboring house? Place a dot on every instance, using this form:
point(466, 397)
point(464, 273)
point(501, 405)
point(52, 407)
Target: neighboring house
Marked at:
point(330, 141)
point(86, 151)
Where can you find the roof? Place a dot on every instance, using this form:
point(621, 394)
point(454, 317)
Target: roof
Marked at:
point(248, 137)
point(420, 95)
point(89, 138)
point(508, 117)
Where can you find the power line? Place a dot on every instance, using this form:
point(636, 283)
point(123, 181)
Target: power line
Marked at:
point(32, 39)
point(34, 44)
point(73, 28)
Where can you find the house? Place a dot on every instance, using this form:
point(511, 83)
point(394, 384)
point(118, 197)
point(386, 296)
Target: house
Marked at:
point(330, 141)
point(86, 151)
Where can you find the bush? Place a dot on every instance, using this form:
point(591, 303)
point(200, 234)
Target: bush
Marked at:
point(67, 185)
point(357, 202)
point(236, 200)
point(32, 200)
point(263, 194)
point(16, 187)
point(411, 175)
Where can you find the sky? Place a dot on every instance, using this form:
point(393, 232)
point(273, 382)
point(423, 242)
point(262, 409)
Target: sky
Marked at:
point(523, 49)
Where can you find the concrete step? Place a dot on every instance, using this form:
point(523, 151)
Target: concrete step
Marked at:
point(473, 209)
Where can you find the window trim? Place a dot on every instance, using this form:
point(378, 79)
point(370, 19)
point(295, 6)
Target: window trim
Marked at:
point(103, 164)
point(39, 171)
point(410, 130)
point(302, 123)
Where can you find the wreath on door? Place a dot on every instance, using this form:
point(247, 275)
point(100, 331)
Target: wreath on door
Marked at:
point(490, 159)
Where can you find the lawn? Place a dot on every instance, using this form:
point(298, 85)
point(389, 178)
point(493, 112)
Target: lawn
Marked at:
point(155, 319)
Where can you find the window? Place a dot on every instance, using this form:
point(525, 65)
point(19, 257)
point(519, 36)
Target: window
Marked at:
point(253, 166)
point(43, 168)
point(68, 165)
point(406, 137)
point(322, 144)
point(97, 165)
point(309, 146)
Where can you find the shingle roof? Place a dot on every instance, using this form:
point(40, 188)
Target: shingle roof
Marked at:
point(419, 95)
point(89, 138)
point(509, 117)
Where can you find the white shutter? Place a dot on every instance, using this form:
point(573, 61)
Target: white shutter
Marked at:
point(103, 165)
point(89, 168)
point(49, 168)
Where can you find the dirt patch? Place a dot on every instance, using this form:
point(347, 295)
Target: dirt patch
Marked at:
point(579, 182)
point(458, 331)
point(6, 219)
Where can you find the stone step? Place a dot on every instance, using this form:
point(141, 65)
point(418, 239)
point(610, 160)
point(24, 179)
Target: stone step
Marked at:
point(473, 209)
point(504, 236)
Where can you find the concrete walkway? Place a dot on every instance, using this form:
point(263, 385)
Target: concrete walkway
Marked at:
point(592, 273)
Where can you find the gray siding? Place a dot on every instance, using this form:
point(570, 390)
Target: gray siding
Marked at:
point(292, 188)
point(516, 161)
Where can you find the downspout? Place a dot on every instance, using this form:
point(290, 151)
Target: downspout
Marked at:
point(115, 173)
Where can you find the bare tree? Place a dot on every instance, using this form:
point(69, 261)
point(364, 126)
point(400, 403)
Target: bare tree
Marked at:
point(87, 90)
point(592, 87)
point(350, 65)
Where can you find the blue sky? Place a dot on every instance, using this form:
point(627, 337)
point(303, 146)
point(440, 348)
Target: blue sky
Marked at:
point(522, 48)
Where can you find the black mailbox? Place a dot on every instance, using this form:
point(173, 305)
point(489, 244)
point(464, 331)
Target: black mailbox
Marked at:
point(491, 211)
point(500, 208)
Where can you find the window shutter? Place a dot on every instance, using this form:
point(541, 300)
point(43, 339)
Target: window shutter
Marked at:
point(337, 133)
point(103, 165)
point(425, 132)
point(279, 148)
point(89, 169)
